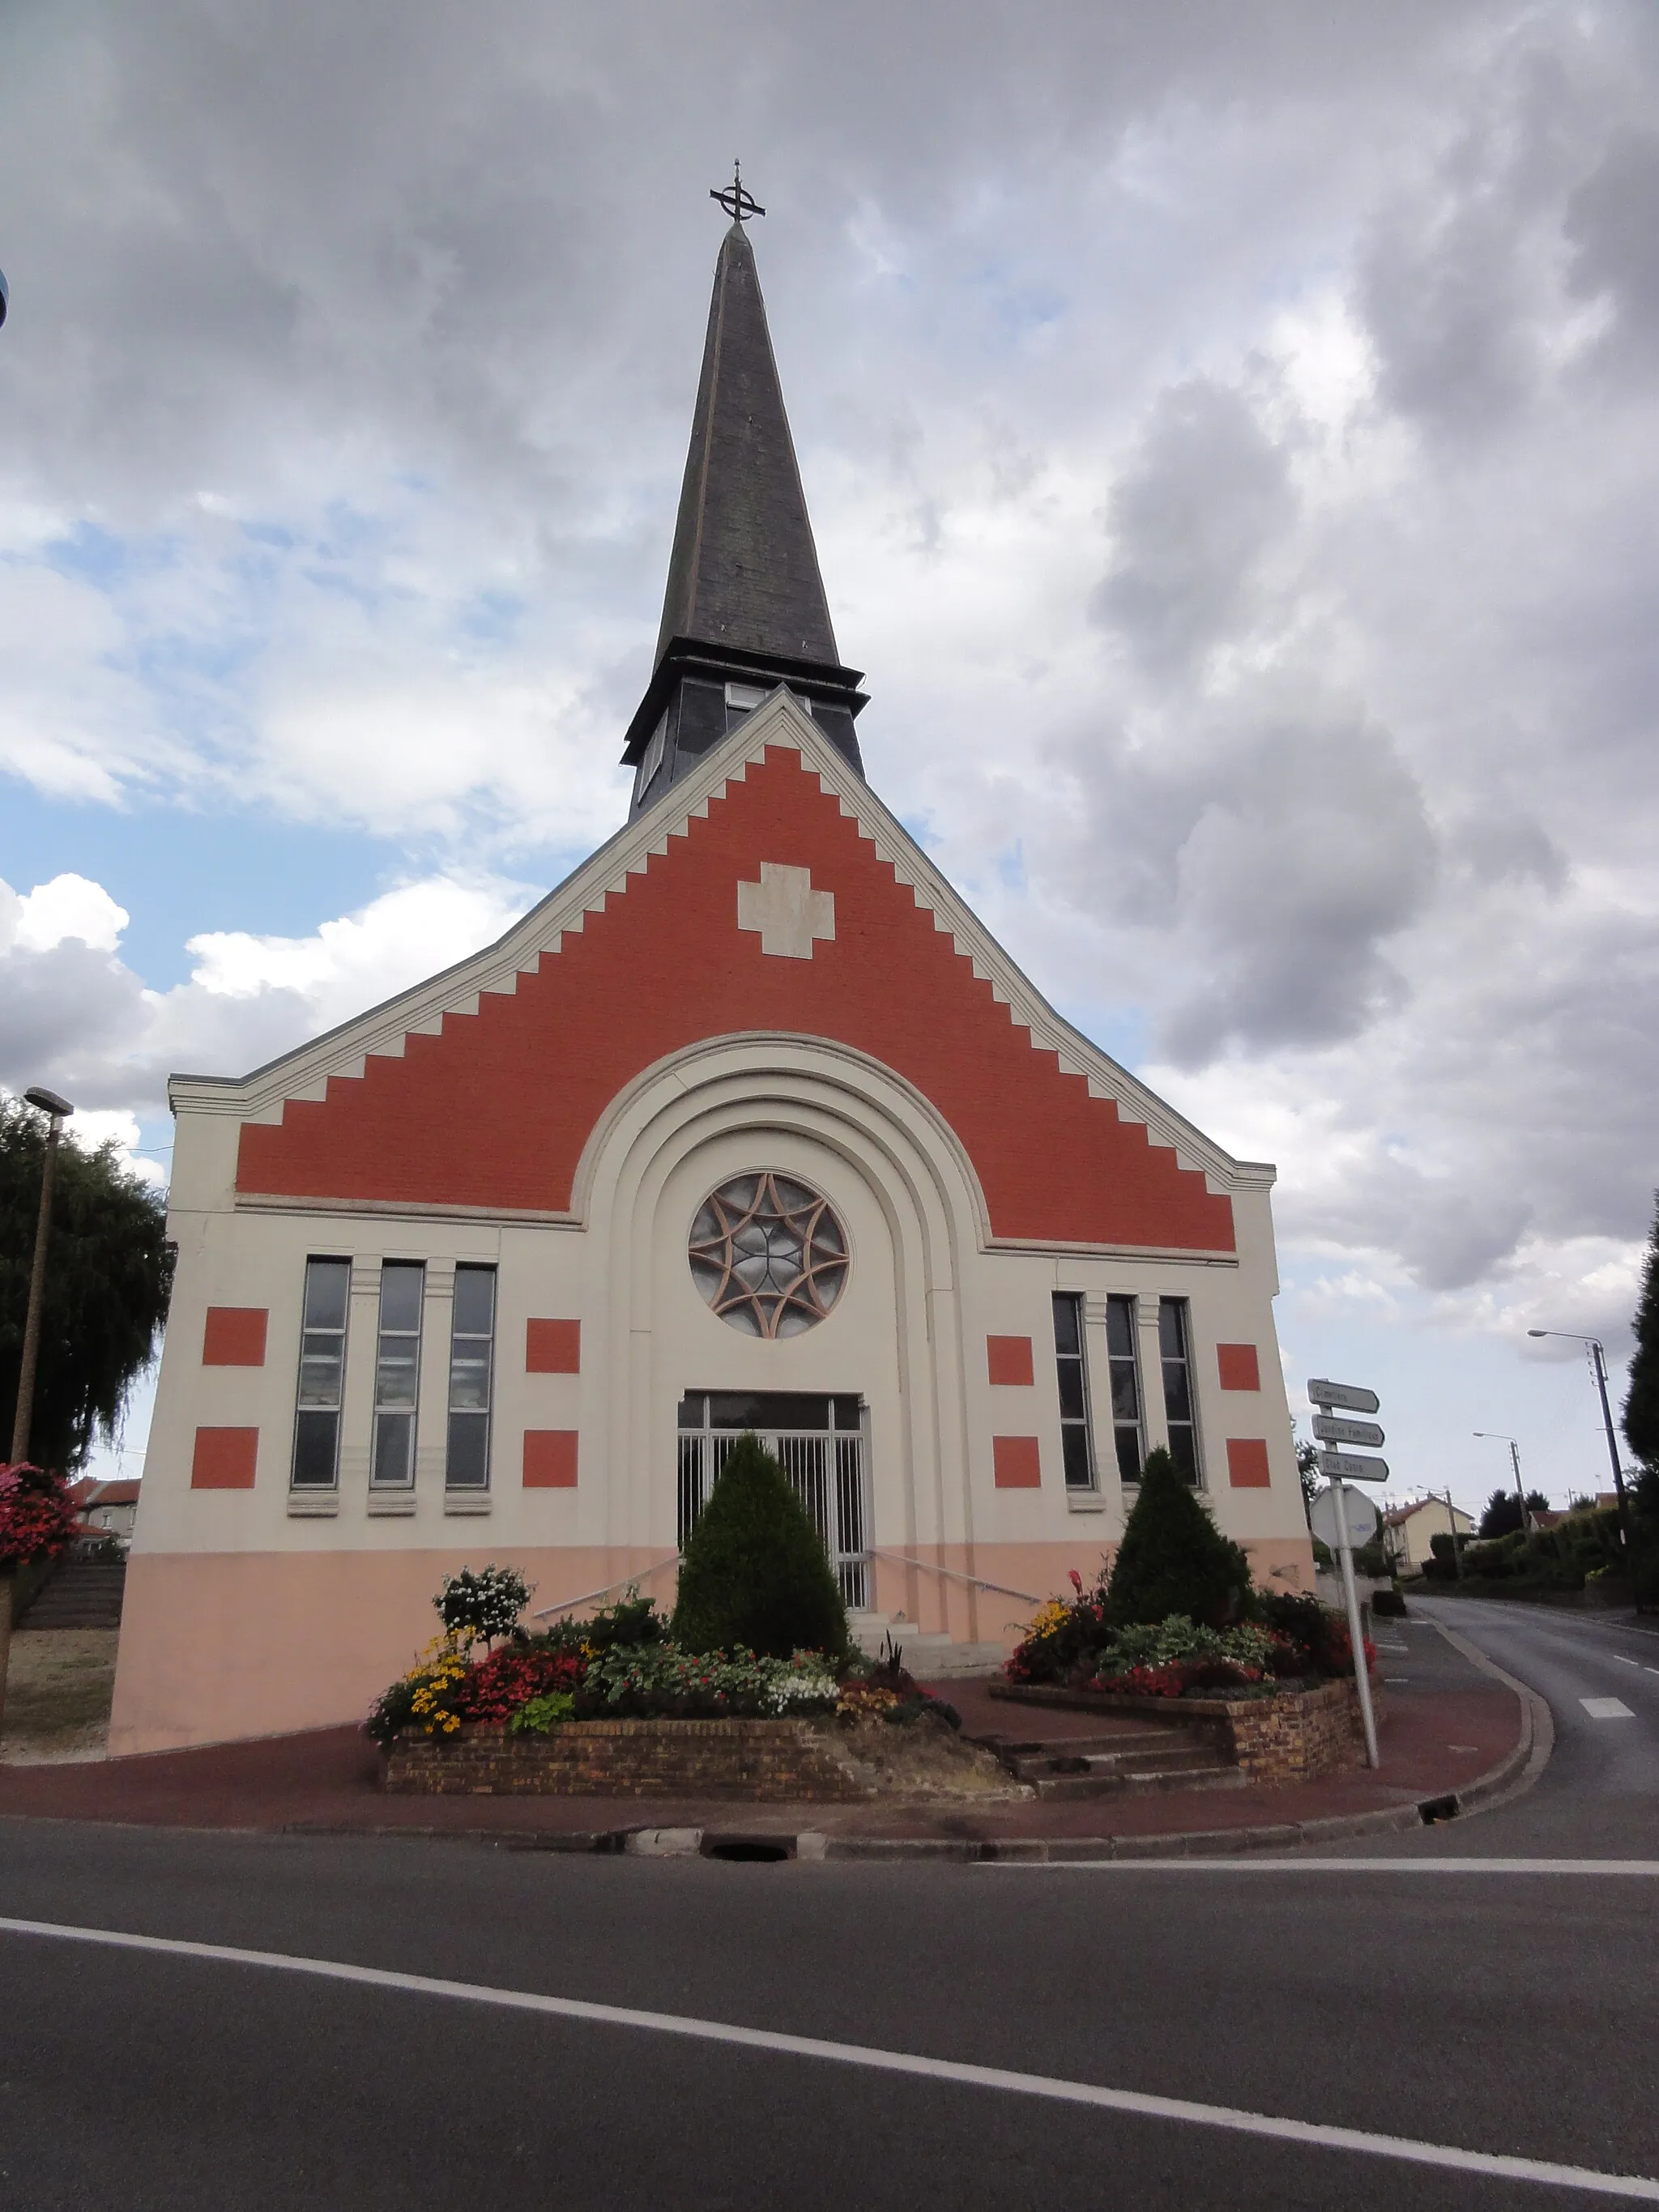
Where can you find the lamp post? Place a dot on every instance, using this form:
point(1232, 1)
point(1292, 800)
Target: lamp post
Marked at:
point(1599, 1364)
point(55, 1109)
point(1496, 1435)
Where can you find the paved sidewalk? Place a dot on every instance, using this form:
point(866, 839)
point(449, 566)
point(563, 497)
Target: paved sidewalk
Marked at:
point(1446, 1725)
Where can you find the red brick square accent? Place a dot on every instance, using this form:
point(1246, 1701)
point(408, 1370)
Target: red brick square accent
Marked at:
point(234, 1337)
point(1017, 1462)
point(550, 1459)
point(1246, 1463)
point(224, 1459)
point(1240, 1370)
point(553, 1347)
point(1009, 1358)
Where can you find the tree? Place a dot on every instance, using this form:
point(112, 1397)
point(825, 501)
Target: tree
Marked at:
point(1503, 1514)
point(756, 1572)
point(1641, 1417)
point(109, 1273)
point(1173, 1558)
point(1306, 1468)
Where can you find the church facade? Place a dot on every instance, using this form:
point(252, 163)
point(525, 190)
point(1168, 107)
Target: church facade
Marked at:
point(749, 1124)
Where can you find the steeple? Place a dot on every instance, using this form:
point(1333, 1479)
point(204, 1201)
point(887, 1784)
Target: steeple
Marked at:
point(745, 609)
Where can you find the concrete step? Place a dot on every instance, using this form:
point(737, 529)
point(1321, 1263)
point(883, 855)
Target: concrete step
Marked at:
point(1053, 1766)
point(929, 1654)
point(1122, 1785)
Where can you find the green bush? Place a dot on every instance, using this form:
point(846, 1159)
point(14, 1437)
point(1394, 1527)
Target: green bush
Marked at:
point(756, 1574)
point(1388, 1605)
point(1173, 1558)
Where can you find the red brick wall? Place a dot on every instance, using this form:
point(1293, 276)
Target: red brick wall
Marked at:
point(750, 1759)
point(664, 967)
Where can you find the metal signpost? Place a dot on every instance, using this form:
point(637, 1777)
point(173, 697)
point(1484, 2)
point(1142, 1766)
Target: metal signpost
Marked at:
point(1346, 1511)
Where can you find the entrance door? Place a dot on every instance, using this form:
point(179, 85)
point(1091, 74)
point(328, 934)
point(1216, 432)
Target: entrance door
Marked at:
point(819, 1443)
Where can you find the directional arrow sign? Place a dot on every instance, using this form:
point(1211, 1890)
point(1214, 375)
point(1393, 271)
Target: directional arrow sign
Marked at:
point(1331, 1429)
point(1348, 1466)
point(1348, 1395)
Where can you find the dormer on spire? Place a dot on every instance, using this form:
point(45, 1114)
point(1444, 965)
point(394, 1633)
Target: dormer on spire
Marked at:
point(744, 610)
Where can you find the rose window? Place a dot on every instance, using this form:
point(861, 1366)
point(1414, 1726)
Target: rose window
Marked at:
point(768, 1255)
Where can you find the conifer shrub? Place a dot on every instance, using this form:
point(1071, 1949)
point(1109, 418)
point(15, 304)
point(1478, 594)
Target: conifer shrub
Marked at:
point(1173, 1558)
point(755, 1572)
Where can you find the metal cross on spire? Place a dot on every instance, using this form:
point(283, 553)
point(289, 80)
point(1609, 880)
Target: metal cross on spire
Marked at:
point(738, 203)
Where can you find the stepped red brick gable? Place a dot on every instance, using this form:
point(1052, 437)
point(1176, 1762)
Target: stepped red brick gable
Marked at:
point(665, 966)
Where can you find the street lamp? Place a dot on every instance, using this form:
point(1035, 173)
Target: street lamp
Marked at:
point(1496, 1435)
point(1599, 1362)
point(55, 1108)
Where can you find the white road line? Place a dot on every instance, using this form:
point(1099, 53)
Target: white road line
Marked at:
point(1312, 2134)
point(1606, 1709)
point(1647, 1868)
point(1623, 1661)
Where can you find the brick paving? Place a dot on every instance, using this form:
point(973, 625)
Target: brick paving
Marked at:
point(1434, 1739)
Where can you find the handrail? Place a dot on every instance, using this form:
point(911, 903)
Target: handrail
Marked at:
point(642, 1575)
point(929, 1566)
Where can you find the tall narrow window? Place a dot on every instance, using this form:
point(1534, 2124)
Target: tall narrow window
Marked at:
point(1172, 1342)
point(1076, 1451)
point(397, 1373)
point(471, 1343)
point(322, 1375)
point(1126, 1386)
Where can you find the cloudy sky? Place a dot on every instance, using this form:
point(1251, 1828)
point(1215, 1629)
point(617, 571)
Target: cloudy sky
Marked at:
point(1232, 434)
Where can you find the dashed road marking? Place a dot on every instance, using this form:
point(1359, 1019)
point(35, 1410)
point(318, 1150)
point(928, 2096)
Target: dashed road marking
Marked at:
point(1606, 1709)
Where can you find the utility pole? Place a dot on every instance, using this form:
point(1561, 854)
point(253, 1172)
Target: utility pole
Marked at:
point(1599, 1364)
point(55, 1109)
point(1451, 1522)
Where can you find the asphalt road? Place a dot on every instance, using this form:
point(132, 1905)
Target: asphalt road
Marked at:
point(1501, 2012)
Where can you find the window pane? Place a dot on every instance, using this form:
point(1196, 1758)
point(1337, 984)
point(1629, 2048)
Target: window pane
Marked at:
point(1184, 1451)
point(328, 1285)
point(1171, 1327)
point(1072, 1408)
point(469, 1435)
point(691, 1412)
point(469, 1382)
point(401, 1284)
point(396, 1371)
point(1125, 1399)
point(314, 1436)
point(475, 1301)
point(1177, 1399)
point(1066, 1338)
point(394, 1439)
point(1120, 1327)
point(322, 1360)
point(1075, 1439)
point(1128, 1455)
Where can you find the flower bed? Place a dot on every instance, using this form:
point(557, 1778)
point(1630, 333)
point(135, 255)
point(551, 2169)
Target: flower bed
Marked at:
point(610, 1706)
point(1287, 1641)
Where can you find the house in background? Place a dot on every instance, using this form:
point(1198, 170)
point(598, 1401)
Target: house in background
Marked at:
point(110, 1506)
point(750, 1124)
point(1409, 1531)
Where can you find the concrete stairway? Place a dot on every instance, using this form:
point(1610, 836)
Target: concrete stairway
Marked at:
point(1119, 1758)
point(931, 1654)
point(82, 1594)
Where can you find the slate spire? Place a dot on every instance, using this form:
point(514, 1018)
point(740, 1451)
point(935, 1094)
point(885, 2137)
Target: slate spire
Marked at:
point(744, 610)
point(744, 570)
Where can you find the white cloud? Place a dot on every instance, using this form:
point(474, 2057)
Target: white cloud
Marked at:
point(82, 1021)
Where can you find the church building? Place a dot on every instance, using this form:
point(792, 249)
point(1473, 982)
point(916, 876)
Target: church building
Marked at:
point(749, 1125)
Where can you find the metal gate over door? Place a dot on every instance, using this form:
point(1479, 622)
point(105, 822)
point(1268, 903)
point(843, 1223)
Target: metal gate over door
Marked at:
point(819, 1443)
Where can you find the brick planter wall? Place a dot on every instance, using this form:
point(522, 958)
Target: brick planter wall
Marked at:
point(753, 1760)
point(1292, 1737)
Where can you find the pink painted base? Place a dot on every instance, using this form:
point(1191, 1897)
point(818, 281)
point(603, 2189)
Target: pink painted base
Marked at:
point(219, 1646)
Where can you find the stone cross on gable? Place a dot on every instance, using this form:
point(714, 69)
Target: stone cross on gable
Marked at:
point(786, 911)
